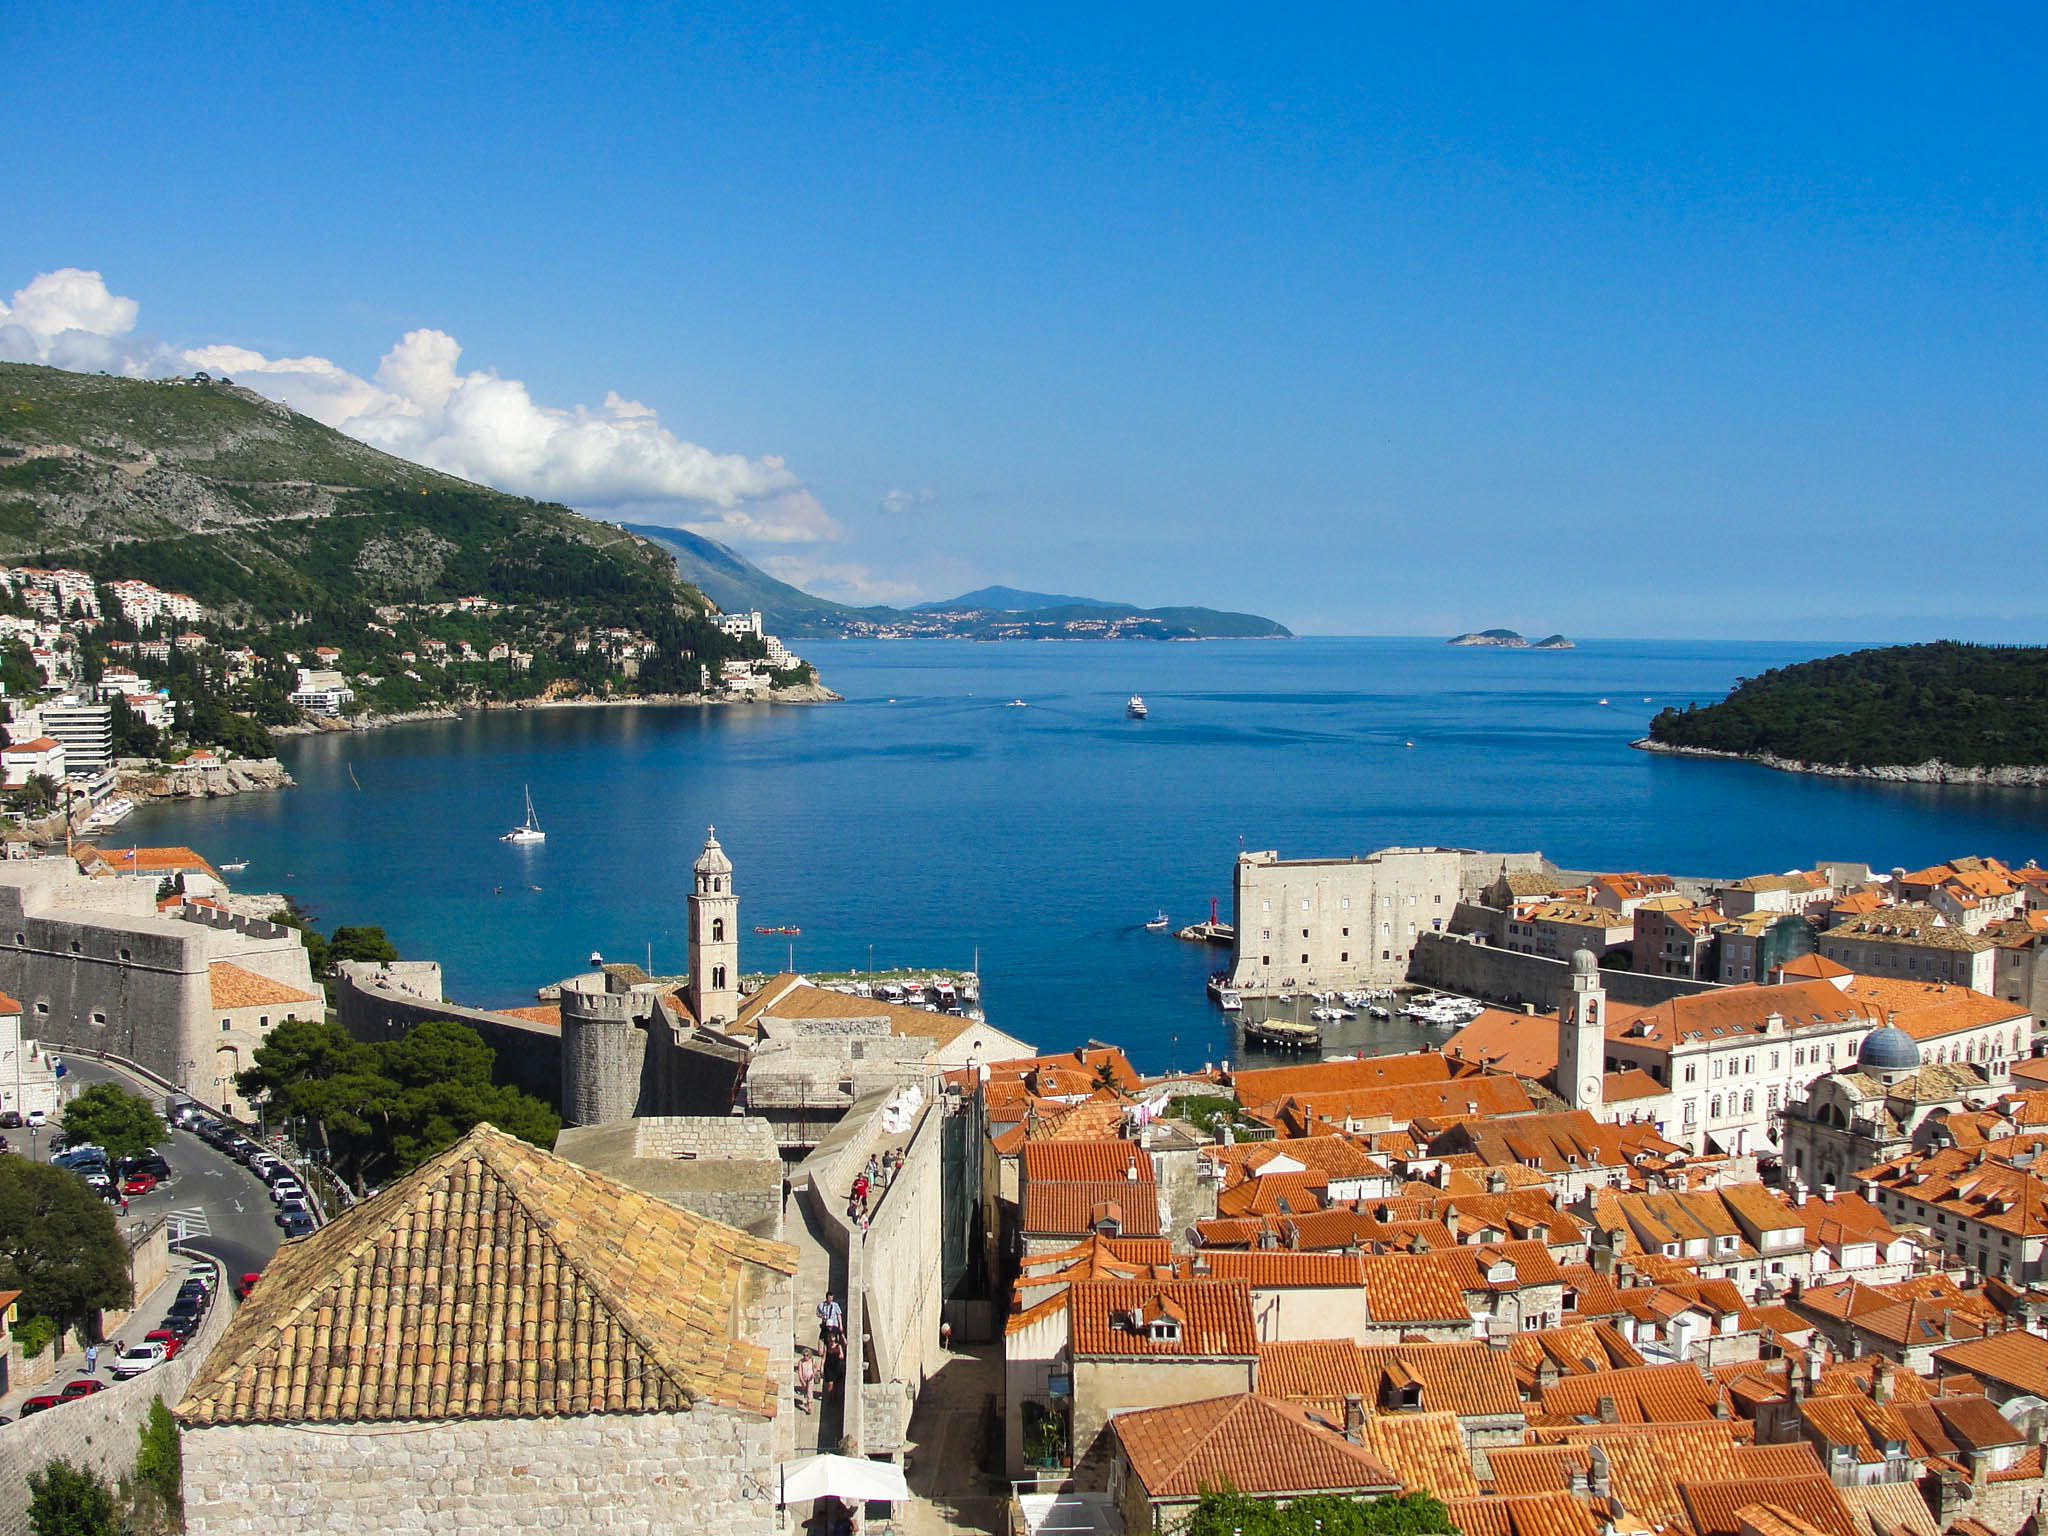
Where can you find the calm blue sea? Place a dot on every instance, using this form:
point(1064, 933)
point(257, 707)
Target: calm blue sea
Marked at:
point(925, 818)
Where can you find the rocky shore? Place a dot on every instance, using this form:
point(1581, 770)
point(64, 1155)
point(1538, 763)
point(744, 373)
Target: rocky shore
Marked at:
point(803, 693)
point(1932, 772)
point(239, 776)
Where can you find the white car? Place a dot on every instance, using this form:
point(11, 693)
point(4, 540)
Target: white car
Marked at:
point(38, 1117)
point(136, 1359)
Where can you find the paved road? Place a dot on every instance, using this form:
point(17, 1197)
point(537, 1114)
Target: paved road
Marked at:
point(222, 1208)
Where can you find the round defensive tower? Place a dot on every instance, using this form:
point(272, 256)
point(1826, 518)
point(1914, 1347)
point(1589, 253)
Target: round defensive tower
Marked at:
point(603, 1050)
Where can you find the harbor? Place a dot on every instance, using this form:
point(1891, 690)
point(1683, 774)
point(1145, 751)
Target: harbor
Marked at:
point(1310, 1025)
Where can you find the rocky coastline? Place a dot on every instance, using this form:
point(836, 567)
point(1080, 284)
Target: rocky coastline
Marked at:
point(1931, 772)
point(803, 693)
point(140, 780)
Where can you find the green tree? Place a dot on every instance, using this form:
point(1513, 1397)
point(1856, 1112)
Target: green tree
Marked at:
point(133, 736)
point(359, 944)
point(110, 1117)
point(64, 1500)
point(442, 1073)
point(1226, 1512)
point(295, 916)
point(160, 1462)
point(58, 1243)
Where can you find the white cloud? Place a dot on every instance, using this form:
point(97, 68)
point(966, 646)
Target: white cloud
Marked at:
point(420, 405)
point(70, 319)
point(898, 501)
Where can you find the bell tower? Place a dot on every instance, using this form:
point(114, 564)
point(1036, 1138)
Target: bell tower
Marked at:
point(714, 938)
point(1582, 1036)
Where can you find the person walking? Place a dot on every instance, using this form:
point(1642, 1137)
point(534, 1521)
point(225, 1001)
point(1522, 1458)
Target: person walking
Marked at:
point(806, 1374)
point(831, 1319)
point(92, 1359)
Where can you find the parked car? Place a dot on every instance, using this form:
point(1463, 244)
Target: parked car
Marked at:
point(247, 1284)
point(168, 1338)
point(85, 1386)
point(10, 1119)
point(137, 1358)
point(138, 1184)
point(151, 1163)
point(38, 1404)
point(183, 1323)
point(279, 1193)
point(99, 1183)
point(38, 1117)
point(296, 1224)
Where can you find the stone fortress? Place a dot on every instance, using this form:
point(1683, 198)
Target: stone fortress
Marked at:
point(798, 1055)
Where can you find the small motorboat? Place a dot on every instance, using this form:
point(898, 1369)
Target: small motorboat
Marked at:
point(1136, 708)
point(234, 866)
point(1159, 924)
point(1015, 704)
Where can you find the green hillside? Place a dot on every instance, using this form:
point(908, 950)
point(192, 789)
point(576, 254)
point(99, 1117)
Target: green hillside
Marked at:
point(739, 586)
point(295, 536)
point(1973, 706)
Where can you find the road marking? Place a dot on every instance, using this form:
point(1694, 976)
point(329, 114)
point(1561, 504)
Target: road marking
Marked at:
point(189, 1223)
point(215, 1173)
point(238, 1207)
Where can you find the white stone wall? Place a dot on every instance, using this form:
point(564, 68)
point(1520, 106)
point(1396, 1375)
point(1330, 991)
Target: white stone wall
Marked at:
point(1338, 922)
point(709, 1470)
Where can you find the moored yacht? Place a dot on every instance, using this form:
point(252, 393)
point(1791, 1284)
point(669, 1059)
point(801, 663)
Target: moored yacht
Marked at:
point(1136, 708)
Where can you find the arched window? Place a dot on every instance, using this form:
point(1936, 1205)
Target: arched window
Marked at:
point(718, 978)
point(718, 930)
point(1749, 1102)
point(1714, 1107)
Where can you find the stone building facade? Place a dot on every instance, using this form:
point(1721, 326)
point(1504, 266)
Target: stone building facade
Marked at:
point(96, 966)
point(1325, 923)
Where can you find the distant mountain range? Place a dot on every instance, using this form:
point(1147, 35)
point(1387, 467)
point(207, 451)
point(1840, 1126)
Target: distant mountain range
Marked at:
point(991, 613)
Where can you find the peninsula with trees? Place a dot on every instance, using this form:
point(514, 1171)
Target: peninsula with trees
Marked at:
point(1938, 713)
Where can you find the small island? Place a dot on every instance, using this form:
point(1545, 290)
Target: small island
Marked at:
point(1944, 713)
point(1507, 639)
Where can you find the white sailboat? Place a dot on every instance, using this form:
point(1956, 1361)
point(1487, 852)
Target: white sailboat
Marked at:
point(529, 831)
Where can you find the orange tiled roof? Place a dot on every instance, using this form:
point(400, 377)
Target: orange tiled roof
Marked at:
point(1215, 1317)
point(1247, 1442)
point(1646, 1394)
point(1736, 1010)
point(1929, 1010)
point(1275, 1194)
point(495, 1281)
point(1087, 1162)
point(2016, 1359)
point(1428, 1448)
point(1268, 1085)
point(1714, 1509)
point(1526, 1514)
point(1513, 1042)
point(549, 1014)
point(1075, 1208)
point(1468, 1378)
point(234, 986)
point(1336, 1155)
point(165, 861)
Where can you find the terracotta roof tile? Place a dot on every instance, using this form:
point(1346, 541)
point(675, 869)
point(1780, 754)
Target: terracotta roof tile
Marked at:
point(1268, 1085)
point(1087, 1162)
point(1468, 1379)
point(1074, 1209)
point(2016, 1359)
point(1215, 1317)
point(236, 986)
point(1527, 1514)
point(1428, 1449)
point(1250, 1443)
point(1648, 1394)
point(1714, 1508)
point(495, 1281)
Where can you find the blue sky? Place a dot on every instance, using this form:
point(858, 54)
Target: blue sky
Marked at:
point(1605, 320)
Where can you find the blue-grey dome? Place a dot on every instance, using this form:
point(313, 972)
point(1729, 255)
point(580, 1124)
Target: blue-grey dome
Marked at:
point(1889, 1049)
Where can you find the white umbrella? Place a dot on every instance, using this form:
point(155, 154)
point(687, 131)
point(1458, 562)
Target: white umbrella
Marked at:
point(841, 1477)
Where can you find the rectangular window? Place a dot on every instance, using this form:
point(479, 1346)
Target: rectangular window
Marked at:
point(227, 1023)
point(1344, 956)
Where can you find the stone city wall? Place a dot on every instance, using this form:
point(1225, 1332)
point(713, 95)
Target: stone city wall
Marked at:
point(708, 1469)
point(1453, 964)
point(102, 1431)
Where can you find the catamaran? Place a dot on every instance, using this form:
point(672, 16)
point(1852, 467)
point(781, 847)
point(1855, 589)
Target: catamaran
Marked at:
point(529, 831)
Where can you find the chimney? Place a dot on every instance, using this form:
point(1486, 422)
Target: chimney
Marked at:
point(1599, 1476)
point(1607, 1413)
point(1796, 1289)
point(1354, 1414)
point(1880, 1381)
point(1798, 1196)
point(1827, 1194)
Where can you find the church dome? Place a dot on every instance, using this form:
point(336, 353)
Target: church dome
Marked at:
point(1889, 1049)
point(1584, 964)
point(712, 861)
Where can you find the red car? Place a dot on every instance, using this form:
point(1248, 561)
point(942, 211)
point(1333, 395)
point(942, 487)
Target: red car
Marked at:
point(38, 1404)
point(83, 1387)
point(139, 1184)
point(164, 1336)
point(247, 1284)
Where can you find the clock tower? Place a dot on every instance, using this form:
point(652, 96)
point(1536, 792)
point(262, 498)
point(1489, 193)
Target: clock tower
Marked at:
point(714, 938)
point(1582, 1036)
